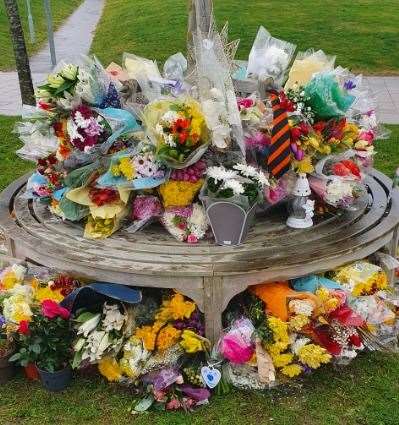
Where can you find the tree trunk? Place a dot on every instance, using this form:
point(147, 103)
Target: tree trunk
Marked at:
point(21, 55)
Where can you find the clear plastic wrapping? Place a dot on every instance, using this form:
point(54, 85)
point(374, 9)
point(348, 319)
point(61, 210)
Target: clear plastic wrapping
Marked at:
point(269, 57)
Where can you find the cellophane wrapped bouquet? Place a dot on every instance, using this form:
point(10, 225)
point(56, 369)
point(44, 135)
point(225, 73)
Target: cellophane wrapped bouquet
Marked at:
point(103, 139)
point(280, 330)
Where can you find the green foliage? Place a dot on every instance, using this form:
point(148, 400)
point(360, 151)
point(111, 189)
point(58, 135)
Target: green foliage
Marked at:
point(61, 9)
point(48, 343)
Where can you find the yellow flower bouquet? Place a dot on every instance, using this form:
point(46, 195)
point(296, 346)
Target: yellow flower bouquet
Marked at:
point(178, 129)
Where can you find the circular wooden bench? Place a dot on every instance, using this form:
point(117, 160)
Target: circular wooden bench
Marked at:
point(209, 274)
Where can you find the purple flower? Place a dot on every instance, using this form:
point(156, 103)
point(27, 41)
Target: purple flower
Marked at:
point(349, 85)
point(2, 321)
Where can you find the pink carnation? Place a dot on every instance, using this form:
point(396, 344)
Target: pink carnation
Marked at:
point(51, 310)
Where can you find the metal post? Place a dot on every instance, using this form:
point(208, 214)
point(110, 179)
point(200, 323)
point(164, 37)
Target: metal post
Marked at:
point(30, 22)
point(50, 32)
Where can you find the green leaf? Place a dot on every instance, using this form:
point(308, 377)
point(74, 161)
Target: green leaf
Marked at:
point(77, 359)
point(144, 404)
point(68, 84)
point(36, 348)
point(84, 317)
point(14, 357)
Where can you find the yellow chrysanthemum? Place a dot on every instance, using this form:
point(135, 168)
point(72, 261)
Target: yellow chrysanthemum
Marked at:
point(304, 166)
point(115, 170)
point(298, 321)
point(281, 360)
point(313, 355)
point(291, 370)
point(167, 337)
point(109, 368)
point(179, 193)
point(126, 168)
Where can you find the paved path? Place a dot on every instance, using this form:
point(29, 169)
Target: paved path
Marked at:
point(71, 40)
point(386, 91)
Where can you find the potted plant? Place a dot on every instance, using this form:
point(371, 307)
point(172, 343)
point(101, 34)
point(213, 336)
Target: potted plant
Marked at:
point(46, 340)
point(230, 196)
point(7, 348)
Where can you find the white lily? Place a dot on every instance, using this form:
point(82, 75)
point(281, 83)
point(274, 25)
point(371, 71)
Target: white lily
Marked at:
point(89, 325)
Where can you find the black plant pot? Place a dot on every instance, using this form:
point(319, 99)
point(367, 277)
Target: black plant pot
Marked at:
point(56, 381)
point(7, 369)
point(230, 222)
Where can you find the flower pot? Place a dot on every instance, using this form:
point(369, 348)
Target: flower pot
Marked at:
point(31, 372)
point(56, 381)
point(7, 369)
point(230, 223)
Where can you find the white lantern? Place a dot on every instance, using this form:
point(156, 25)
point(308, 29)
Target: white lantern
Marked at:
point(300, 207)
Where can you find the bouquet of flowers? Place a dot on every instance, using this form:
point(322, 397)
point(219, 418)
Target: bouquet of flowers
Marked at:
point(183, 185)
point(98, 335)
point(186, 224)
point(338, 182)
point(241, 184)
point(178, 129)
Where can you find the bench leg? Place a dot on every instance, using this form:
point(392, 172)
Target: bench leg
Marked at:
point(213, 307)
point(392, 249)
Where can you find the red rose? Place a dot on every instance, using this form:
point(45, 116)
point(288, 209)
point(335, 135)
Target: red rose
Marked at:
point(305, 129)
point(355, 340)
point(296, 133)
point(51, 310)
point(23, 327)
point(319, 126)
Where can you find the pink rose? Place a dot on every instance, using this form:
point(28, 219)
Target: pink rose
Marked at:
point(368, 136)
point(245, 103)
point(51, 310)
point(192, 239)
point(173, 404)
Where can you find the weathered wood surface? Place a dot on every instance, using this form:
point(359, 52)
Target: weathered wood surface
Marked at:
point(209, 274)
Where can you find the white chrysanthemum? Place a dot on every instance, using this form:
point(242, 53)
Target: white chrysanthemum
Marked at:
point(303, 307)
point(170, 116)
point(80, 120)
point(298, 344)
point(72, 130)
point(198, 222)
point(262, 179)
point(246, 170)
point(169, 140)
point(338, 190)
point(221, 173)
point(234, 185)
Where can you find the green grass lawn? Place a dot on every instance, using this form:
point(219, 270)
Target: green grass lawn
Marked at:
point(61, 9)
point(364, 393)
point(363, 34)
